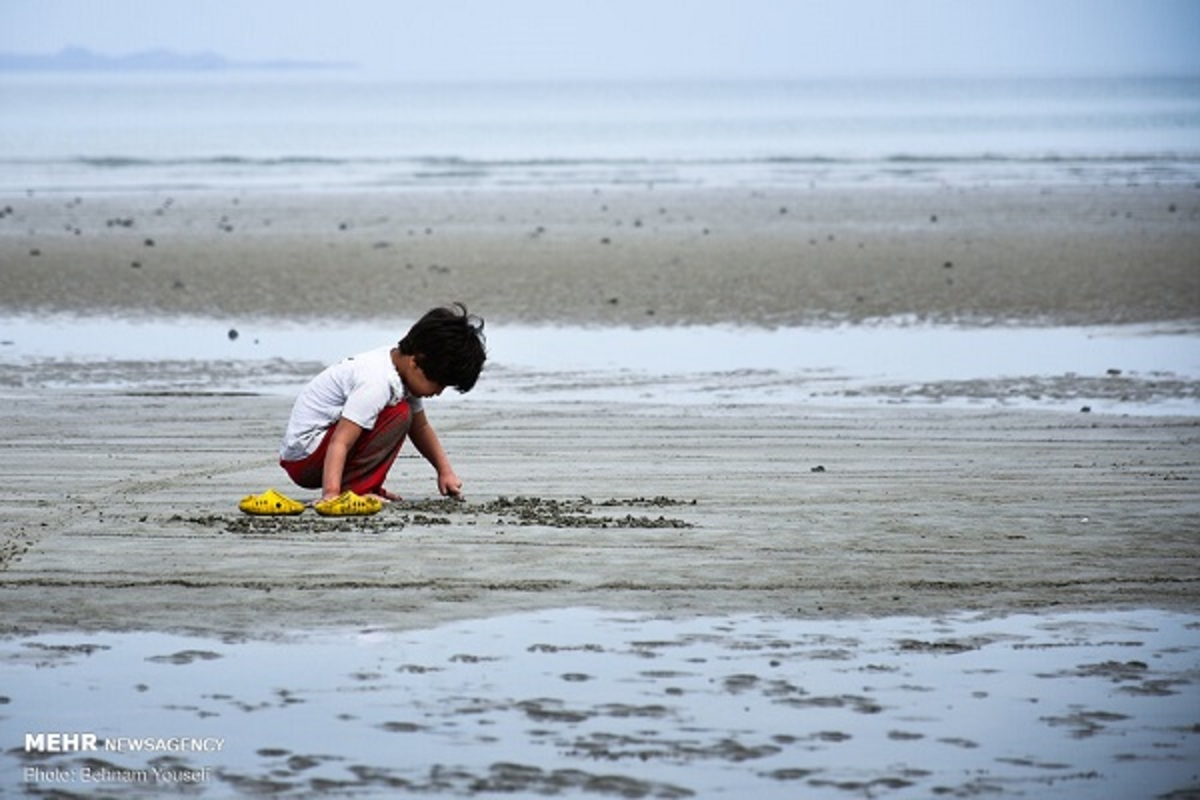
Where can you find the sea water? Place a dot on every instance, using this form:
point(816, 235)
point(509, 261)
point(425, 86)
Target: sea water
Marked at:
point(585, 703)
point(334, 130)
point(1132, 369)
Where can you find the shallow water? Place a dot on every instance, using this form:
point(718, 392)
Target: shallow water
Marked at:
point(1138, 369)
point(321, 130)
point(578, 701)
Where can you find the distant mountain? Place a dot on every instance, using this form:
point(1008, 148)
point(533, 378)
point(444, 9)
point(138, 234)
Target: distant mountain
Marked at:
point(79, 59)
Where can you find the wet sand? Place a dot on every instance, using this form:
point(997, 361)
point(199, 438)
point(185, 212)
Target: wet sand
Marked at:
point(633, 601)
point(1066, 255)
point(128, 521)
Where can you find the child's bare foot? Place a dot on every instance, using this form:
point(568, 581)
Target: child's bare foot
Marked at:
point(385, 496)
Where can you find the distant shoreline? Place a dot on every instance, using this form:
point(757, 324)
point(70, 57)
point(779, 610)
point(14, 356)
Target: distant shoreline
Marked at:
point(77, 59)
point(81, 59)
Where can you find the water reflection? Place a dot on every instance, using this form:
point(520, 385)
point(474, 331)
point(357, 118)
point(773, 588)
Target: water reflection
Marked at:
point(572, 701)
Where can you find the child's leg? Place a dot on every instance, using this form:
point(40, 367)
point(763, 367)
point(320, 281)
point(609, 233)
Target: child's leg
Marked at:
point(375, 451)
point(368, 461)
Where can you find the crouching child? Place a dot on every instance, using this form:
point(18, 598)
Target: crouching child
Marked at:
point(349, 422)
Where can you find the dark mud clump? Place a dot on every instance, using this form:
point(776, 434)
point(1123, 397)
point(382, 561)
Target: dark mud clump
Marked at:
point(579, 513)
point(246, 525)
point(185, 657)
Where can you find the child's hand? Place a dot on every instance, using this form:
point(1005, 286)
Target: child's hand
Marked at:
point(449, 485)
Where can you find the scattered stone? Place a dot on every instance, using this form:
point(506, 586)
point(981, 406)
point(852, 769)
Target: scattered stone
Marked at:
point(185, 657)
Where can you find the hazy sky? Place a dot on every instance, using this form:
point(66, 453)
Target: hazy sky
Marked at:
point(467, 39)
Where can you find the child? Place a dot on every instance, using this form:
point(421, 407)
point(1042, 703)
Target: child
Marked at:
point(349, 422)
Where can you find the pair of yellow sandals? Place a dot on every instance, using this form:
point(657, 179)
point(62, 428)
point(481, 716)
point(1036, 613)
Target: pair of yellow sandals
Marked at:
point(273, 504)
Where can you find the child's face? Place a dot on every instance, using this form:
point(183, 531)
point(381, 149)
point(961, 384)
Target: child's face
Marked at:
point(418, 383)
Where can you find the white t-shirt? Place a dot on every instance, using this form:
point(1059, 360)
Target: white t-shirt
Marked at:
point(357, 388)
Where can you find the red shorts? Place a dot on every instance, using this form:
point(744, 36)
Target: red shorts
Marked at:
point(369, 459)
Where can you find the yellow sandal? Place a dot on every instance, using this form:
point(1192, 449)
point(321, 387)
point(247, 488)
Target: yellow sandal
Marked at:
point(349, 504)
point(270, 504)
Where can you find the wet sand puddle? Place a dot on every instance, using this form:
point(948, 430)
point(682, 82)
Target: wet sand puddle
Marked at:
point(583, 702)
point(1141, 369)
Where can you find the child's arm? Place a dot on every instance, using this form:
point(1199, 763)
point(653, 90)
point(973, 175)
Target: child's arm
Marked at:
point(345, 434)
point(426, 441)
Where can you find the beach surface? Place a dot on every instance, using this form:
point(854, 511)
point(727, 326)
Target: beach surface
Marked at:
point(129, 521)
point(123, 512)
point(760, 569)
point(639, 256)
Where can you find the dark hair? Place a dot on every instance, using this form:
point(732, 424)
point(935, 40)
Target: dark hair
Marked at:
point(448, 345)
